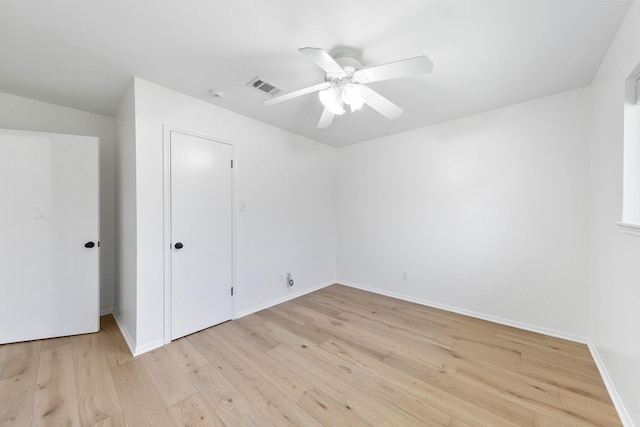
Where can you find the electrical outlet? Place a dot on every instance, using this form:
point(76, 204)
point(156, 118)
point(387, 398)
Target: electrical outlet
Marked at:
point(404, 276)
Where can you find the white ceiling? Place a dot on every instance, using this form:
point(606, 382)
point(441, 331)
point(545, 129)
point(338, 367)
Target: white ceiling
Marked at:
point(486, 53)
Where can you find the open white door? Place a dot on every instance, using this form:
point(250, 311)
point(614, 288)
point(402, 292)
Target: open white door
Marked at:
point(201, 233)
point(49, 228)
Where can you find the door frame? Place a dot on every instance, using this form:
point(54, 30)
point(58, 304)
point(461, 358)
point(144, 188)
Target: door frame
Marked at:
point(166, 241)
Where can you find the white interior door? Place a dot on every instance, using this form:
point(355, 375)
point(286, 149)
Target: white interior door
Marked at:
point(201, 233)
point(49, 283)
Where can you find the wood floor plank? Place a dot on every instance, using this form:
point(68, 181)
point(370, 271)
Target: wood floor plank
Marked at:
point(170, 381)
point(487, 399)
point(336, 356)
point(141, 402)
point(586, 372)
point(18, 381)
point(115, 420)
point(186, 356)
point(418, 332)
point(224, 398)
point(307, 330)
point(248, 323)
point(318, 308)
point(455, 422)
point(56, 399)
point(560, 419)
point(21, 358)
point(361, 384)
point(393, 338)
point(519, 389)
point(17, 395)
point(326, 410)
point(251, 381)
point(588, 409)
point(422, 324)
point(288, 382)
point(97, 397)
point(339, 381)
point(373, 345)
point(475, 349)
point(594, 390)
point(260, 337)
point(444, 401)
point(286, 310)
point(195, 412)
point(543, 398)
point(544, 343)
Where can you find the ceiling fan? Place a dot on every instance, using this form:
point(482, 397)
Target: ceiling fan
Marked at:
point(345, 83)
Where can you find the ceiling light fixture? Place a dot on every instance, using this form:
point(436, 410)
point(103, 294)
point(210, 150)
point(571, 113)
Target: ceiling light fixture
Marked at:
point(346, 82)
point(331, 98)
point(352, 96)
point(335, 97)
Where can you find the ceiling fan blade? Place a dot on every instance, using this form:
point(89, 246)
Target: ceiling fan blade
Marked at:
point(381, 104)
point(394, 70)
point(297, 93)
point(326, 119)
point(323, 60)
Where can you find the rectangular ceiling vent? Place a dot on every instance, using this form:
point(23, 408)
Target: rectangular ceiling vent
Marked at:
point(269, 88)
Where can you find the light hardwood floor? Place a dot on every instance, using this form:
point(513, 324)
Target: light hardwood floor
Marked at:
point(337, 357)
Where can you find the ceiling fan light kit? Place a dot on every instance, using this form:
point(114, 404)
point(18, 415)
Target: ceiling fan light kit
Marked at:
point(345, 83)
point(352, 96)
point(331, 98)
point(335, 97)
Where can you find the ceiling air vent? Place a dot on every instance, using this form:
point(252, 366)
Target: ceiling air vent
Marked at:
point(269, 88)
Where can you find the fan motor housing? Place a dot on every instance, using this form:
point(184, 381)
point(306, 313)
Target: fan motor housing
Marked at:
point(348, 64)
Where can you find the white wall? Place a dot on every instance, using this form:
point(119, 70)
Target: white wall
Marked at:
point(125, 290)
point(487, 214)
point(615, 257)
point(27, 114)
point(287, 182)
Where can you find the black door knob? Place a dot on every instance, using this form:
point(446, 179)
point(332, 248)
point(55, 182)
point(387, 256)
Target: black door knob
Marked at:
point(179, 245)
point(89, 245)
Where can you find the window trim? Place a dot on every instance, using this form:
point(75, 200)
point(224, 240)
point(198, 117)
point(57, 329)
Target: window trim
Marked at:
point(629, 228)
point(630, 222)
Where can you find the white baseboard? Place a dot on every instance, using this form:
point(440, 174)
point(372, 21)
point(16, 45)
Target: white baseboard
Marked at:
point(495, 319)
point(280, 300)
point(124, 332)
point(105, 311)
point(135, 350)
point(613, 393)
point(148, 347)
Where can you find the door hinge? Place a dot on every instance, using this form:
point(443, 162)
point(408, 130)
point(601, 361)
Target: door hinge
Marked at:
point(232, 291)
point(231, 164)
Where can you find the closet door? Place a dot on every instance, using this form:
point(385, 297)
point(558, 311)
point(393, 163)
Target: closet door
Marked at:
point(202, 233)
point(49, 256)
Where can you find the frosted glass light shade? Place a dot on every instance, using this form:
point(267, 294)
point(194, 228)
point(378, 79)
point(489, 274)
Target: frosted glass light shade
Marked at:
point(352, 96)
point(332, 100)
